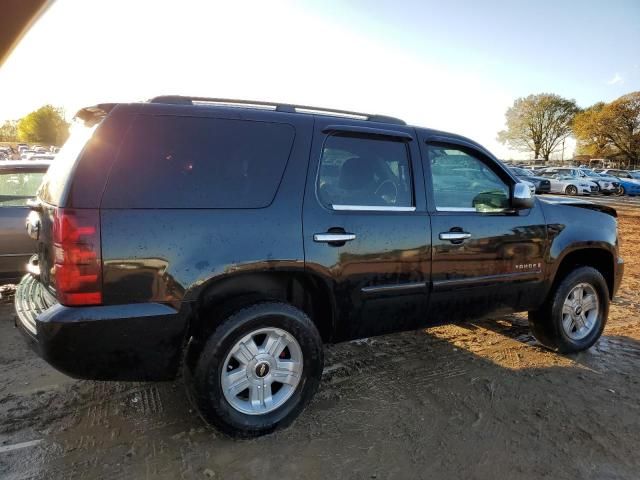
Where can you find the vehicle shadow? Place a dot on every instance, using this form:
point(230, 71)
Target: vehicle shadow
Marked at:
point(451, 401)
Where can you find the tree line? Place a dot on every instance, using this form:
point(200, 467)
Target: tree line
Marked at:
point(45, 125)
point(541, 123)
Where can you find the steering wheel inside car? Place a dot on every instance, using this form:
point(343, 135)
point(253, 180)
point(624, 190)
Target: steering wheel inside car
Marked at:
point(390, 196)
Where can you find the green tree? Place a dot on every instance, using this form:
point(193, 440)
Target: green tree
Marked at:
point(611, 129)
point(9, 131)
point(45, 125)
point(538, 123)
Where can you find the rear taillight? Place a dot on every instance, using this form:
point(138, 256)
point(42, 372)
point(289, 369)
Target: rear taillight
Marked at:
point(77, 252)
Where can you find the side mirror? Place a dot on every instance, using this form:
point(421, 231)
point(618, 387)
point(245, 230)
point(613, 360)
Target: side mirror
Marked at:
point(521, 197)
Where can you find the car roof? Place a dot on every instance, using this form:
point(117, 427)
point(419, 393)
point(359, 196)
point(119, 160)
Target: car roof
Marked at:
point(176, 104)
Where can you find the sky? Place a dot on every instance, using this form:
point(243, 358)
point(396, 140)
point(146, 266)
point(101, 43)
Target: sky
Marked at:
point(455, 65)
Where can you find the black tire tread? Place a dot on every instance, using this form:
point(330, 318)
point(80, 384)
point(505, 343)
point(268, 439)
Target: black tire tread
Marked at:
point(548, 332)
point(198, 378)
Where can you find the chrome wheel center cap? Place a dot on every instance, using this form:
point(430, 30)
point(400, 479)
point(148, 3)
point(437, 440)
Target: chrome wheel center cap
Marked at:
point(262, 369)
point(578, 310)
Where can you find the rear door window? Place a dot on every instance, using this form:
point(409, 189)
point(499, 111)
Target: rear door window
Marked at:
point(195, 162)
point(364, 172)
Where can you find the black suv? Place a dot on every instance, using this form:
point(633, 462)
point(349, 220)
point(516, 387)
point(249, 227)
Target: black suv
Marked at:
point(234, 238)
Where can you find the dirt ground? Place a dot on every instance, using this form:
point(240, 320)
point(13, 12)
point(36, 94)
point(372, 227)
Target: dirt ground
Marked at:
point(477, 400)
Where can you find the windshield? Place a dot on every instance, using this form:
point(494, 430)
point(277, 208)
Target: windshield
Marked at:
point(590, 173)
point(523, 172)
point(17, 187)
point(55, 180)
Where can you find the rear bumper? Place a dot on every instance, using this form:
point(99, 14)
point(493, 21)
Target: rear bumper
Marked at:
point(112, 342)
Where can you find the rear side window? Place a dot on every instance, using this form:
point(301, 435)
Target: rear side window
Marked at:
point(194, 162)
point(61, 169)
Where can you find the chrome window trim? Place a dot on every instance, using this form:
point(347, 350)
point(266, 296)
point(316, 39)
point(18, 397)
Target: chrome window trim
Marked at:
point(456, 209)
point(371, 208)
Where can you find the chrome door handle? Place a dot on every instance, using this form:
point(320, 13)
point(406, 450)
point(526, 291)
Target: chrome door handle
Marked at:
point(334, 237)
point(454, 236)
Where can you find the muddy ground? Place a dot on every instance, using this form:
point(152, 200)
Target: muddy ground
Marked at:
point(478, 400)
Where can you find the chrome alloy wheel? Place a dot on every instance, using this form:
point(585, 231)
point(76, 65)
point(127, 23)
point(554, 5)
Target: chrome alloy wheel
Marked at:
point(580, 311)
point(262, 371)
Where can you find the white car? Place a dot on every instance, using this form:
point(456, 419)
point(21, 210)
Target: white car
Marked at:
point(569, 185)
point(606, 183)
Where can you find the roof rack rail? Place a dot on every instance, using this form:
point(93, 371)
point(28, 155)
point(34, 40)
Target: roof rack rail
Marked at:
point(278, 107)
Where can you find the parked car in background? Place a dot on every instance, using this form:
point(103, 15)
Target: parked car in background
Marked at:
point(622, 174)
point(155, 252)
point(27, 154)
point(541, 184)
point(43, 157)
point(594, 187)
point(19, 181)
point(628, 187)
point(569, 185)
point(608, 184)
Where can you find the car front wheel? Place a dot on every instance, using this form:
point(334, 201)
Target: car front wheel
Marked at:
point(575, 312)
point(571, 190)
point(258, 370)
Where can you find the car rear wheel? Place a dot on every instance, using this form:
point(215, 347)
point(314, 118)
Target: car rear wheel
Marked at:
point(571, 190)
point(575, 313)
point(258, 370)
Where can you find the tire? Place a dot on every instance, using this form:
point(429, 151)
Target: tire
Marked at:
point(232, 413)
point(621, 191)
point(547, 323)
point(571, 190)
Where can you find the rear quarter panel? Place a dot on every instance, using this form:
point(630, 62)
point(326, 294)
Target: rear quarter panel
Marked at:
point(172, 255)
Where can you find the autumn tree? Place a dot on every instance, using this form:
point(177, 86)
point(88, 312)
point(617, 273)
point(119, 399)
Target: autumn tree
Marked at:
point(611, 129)
point(9, 131)
point(538, 123)
point(45, 125)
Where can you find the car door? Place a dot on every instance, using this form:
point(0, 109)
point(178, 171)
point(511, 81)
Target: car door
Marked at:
point(366, 228)
point(486, 257)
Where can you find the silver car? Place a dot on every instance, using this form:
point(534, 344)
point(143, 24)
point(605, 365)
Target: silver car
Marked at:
point(19, 181)
point(569, 185)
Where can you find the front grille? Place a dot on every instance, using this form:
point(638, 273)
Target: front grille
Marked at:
point(31, 300)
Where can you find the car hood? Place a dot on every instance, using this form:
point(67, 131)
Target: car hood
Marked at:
point(608, 178)
point(531, 178)
point(581, 204)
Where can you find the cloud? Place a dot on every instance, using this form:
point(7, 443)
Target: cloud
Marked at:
point(616, 79)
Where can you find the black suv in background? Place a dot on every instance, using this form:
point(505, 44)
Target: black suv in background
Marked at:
point(543, 185)
point(235, 238)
